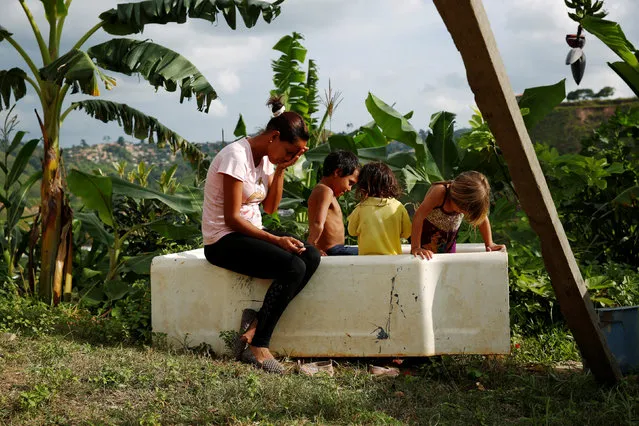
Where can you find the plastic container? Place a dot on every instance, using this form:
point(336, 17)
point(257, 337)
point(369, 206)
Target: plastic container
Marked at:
point(621, 328)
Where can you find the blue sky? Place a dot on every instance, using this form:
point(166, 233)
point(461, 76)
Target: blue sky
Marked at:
point(401, 53)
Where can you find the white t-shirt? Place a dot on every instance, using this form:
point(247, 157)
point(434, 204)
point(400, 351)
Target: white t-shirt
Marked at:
point(235, 160)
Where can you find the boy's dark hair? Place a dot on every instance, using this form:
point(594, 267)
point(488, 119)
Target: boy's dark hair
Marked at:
point(376, 179)
point(344, 161)
point(289, 123)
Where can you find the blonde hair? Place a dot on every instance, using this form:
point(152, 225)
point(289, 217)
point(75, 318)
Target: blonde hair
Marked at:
point(470, 191)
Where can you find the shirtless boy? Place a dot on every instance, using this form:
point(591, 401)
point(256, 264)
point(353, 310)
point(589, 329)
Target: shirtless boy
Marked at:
point(326, 227)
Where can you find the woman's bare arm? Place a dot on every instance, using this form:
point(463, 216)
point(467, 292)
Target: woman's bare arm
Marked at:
point(233, 219)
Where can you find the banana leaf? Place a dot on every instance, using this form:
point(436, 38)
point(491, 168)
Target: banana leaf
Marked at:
point(95, 191)
point(12, 81)
point(540, 101)
point(240, 128)
point(613, 36)
point(21, 161)
point(628, 74)
point(131, 18)
point(441, 144)
point(95, 228)
point(179, 203)
point(158, 65)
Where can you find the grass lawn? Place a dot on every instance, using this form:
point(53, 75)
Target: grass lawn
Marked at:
point(61, 379)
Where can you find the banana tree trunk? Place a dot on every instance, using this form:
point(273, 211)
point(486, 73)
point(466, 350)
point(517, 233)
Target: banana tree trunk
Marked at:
point(53, 204)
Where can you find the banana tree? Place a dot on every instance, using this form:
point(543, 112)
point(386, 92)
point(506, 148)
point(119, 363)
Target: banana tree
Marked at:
point(299, 87)
point(589, 15)
point(53, 75)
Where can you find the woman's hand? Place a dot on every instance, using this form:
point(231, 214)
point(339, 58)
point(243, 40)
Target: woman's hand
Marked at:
point(283, 166)
point(422, 252)
point(495, 247)
point(291, 245)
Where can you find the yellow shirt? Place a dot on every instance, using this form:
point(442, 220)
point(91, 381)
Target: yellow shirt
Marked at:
point(378, 224)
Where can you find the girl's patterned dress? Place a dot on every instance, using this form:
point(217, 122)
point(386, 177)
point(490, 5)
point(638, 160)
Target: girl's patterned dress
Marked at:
point(439, 233)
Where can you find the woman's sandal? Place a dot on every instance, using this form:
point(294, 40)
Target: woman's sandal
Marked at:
point(270, 365)
point(248, 316)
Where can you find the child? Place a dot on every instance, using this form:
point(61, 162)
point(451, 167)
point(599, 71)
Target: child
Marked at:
point(326, 227)
point(437, 220)
point(379, 220)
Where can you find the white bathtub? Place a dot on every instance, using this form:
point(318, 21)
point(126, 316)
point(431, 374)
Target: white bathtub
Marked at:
point(353, 306)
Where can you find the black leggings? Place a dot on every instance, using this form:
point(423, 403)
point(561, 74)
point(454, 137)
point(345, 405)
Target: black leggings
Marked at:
point(257, 258)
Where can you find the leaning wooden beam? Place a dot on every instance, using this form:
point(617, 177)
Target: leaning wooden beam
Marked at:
point(468, 24)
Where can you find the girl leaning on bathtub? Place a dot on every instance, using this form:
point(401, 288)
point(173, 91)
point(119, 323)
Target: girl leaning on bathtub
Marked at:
point(437, 220)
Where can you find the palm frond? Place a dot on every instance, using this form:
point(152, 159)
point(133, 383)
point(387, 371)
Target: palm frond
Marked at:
point(131, 18)
point(157, 64)
point(288, 77)
point(312, 96)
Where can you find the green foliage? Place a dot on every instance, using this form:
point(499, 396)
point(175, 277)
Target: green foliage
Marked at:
point(240, 128)
point(583, 8)
point(540, 101)
point(12, 82)
point(288, 77)
point(15, 185)
point(76, 69)
point(612, 211)
point(583, 94)
point(130, 18)
point(27, 316)
point(571, 122)
point(35, 397)
point(299, 88)
point(156, 64)
point(312, 95)
point(133, 220)
point(125, 320)
point(590, 17)
point(112, 377)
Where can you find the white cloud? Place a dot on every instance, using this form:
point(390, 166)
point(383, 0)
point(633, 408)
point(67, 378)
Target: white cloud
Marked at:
point(218, 109)
point(218, 53)
point(227, 82)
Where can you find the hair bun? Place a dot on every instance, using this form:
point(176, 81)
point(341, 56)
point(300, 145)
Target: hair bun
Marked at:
point(277, 105)
point(279, 111)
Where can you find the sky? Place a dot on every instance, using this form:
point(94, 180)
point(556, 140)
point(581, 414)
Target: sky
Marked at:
point(399, 50)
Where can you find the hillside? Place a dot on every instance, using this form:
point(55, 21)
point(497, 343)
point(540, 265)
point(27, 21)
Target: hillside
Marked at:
point(570, 122)
point(103, 156)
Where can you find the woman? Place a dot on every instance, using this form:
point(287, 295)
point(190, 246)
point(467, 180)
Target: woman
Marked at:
point(241, 178)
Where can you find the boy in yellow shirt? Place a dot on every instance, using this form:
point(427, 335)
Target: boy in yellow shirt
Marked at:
point(379, 220)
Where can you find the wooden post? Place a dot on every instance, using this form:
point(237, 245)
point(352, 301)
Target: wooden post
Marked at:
point(468, 24)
